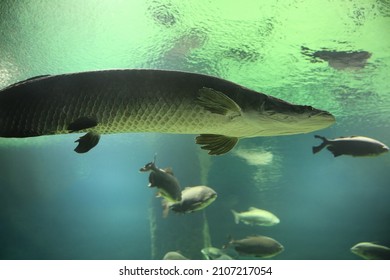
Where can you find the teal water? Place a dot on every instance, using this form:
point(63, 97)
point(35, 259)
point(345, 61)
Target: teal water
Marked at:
point(56, 204)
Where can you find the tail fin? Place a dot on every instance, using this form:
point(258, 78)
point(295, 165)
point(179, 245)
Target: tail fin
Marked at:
point(316, 149)
point(165, 205)
point(236, 217)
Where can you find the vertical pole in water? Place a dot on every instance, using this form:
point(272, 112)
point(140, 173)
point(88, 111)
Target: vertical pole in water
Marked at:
point(184, 233)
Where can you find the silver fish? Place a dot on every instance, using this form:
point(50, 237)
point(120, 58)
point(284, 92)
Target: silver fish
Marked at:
point(255, 216)
point(356, 146)
point(194, 199)
point(135, 100)
point(172, 255)
point(371, 251)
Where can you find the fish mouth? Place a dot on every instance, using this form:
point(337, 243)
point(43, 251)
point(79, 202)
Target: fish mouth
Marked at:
point(325, 116)
point(321, 119)
point(354, 250)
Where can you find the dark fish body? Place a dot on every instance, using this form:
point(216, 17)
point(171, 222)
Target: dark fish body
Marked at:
point(194, 199)
point(130, 100)
point(164, 181)
point(371, 251)
point(356, 146)
point(258, 246)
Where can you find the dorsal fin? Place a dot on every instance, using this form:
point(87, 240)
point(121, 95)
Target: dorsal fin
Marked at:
point(28, 80)
point(169, 170)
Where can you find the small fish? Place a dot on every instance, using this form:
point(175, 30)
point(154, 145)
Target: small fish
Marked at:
point(255, 216)
point(257, 246)
point(371, 251)
point(357, 146)
point(194, 199)
point(167, 184)
point(212, 253)
point(172, 255)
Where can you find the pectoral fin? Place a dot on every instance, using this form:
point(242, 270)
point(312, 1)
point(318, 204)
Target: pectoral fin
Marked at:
point(218, 103)
point(216, 144)
point(87, 142)
point(82, 123)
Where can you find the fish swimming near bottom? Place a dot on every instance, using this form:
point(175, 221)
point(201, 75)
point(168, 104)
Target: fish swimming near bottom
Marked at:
point(257, 246)
point(371, 251)
point(357, 146)
point(255, 216)
point(172, 255)
point(220, 112)
point(167, 184)
point(192, 199)
point(212, 253)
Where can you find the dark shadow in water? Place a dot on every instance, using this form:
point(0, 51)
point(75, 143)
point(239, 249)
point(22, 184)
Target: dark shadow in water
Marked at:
point(340, 60)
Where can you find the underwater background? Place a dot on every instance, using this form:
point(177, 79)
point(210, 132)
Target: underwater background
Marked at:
point(57, 204)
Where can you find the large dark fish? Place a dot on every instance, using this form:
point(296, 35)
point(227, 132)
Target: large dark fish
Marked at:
point(356, 146)
point(164, 180)
point(129, 100)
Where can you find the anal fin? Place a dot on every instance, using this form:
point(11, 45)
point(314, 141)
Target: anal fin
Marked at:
point(216, 144)
point(87, 142)
point(168, 170)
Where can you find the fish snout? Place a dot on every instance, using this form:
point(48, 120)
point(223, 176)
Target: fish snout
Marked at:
point(354, 249)
point(149, 166)
point(325, 116)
